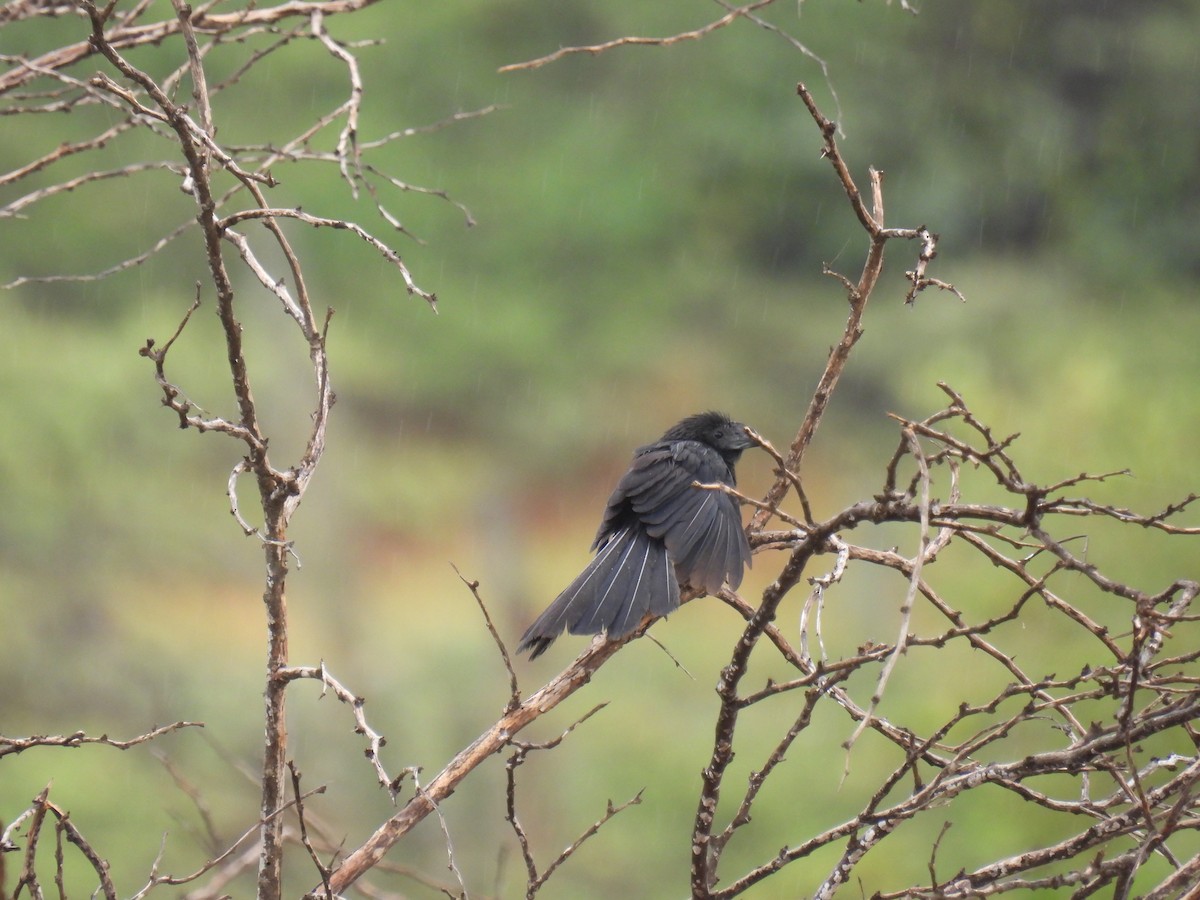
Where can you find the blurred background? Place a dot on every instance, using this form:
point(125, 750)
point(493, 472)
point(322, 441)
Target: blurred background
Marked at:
point(651, 225)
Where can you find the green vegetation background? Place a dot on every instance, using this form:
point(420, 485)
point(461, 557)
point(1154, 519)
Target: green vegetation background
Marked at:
point(651, 228)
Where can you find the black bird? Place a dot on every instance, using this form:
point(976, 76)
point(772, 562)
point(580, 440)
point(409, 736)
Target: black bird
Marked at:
point(658, 532)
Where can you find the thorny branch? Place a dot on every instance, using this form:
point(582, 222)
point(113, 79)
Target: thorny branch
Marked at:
point(1146, 692)
point(10, 745)
point(375, 741)
point(1131, 667)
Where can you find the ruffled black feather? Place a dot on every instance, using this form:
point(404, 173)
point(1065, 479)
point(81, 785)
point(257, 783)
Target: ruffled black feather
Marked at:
point(658, 532)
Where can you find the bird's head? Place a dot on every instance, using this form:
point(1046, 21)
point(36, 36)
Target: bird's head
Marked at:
point(715, 429)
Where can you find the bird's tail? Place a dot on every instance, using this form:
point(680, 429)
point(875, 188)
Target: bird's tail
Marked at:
point(630, 576)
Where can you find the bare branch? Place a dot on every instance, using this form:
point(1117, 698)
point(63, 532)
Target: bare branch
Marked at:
point(126, 35)
point(514, 695)
point(595, 49)
point(312, 853)
point(495, 738)
point(340, 224)
point(78, 739)
point(375, 741)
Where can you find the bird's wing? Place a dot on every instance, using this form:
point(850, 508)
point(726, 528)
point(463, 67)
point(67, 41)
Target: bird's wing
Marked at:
point(702, 529)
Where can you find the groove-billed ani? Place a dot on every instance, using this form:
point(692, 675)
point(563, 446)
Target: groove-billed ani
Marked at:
point(658, 532)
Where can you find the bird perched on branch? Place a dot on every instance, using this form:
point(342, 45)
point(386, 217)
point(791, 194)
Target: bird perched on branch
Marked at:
point(659, 531)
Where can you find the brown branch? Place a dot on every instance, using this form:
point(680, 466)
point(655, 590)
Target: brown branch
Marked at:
point(1165, 702)
point(33, 819)
point(494, 739)
point(375, 741)
point(78, 739)
point(610, 812)
point(274, 486)
point(520, 754)
point(857, 295)
point(321, 867)
point(953, 781)
point(226, 865)
point(514, 691)
point(358, 231)
point(595, 49)
point(758, 777)
point(703, 865)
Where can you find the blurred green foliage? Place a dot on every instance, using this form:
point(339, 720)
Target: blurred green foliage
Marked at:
point(651, 228)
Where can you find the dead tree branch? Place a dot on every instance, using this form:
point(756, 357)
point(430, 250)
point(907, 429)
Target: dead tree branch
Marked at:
point(10, 745)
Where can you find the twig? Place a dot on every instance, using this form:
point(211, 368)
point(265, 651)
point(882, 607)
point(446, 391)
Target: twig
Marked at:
point(567, 852)
point(514, 691)
point(323, 869)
